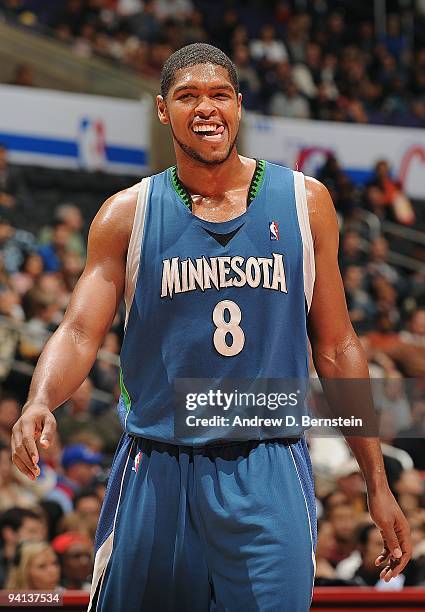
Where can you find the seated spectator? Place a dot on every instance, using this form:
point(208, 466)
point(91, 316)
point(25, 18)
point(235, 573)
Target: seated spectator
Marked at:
point(412, 439)
point(289, 103)
point(14, 192)
point(87, 506)
point(10, 411)
point(70, 215)
point(361, 307)
point(35, 567)
point(326, 546)
point(15, 245)
point(80, 466)
point(30, 271)
point(267, 47)
point(351, 252)
point(344, 522)
point(410, 491)
point(75, 552)
point(395, 204)
point(370, 547)
point(52, 253)
point(42, 310)
point(17, 525)
point(12, 493)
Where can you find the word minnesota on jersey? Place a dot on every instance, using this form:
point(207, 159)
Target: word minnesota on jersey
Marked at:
point(179, 276)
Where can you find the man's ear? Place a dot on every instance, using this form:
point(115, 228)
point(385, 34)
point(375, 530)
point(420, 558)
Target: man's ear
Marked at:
point(162, 110)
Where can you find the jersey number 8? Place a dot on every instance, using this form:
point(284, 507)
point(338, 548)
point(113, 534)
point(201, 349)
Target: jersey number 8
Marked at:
point(230, 327)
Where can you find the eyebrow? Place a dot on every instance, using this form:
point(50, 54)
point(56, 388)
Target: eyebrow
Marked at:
point(194, 87)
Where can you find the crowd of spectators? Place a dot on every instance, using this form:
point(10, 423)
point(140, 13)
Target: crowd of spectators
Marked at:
point(312, 59)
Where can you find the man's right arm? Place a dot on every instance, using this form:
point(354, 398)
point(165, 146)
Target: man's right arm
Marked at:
point(70, 353)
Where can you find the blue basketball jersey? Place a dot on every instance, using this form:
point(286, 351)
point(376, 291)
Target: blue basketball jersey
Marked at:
point(213, 300)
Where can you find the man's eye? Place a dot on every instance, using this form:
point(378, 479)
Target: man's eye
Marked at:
point(186, 96)
point(221, 96)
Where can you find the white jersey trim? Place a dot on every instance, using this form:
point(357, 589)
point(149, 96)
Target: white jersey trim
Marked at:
point(309, 267)
point(135, 245)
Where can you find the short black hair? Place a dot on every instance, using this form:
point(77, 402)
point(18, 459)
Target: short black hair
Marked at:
point(14, 517)
point(191, 55)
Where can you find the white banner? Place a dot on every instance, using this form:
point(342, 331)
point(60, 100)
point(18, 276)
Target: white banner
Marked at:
point(63, 130)
point(303, 145)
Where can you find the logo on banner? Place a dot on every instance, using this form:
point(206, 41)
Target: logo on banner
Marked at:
point(91, 144)
point(274, 230)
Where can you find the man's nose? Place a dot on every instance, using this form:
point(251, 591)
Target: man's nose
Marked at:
point(205, 106)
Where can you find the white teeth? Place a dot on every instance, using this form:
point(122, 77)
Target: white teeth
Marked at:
point(204, 128)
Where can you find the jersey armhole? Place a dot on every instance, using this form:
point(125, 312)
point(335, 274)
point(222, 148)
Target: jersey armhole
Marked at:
point(135, 246)
point(309, 269)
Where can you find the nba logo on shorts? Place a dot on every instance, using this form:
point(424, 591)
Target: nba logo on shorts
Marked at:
point(274, 230)
point(135, 467)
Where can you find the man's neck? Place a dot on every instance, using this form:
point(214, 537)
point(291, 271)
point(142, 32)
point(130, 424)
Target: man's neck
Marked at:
point(211, 180)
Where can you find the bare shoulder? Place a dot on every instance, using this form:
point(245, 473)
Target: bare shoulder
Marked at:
point(321, 210)
point(114, 220)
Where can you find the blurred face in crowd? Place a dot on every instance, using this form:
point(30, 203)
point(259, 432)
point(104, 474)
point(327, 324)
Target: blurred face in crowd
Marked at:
point(417, 323)
point(371, 550)
point(31, 530)
point(77, 562)
point(5, 467)
point(9, 413)
point(33, 265)
point(326, 542)
point(82, 473)
point(202, 95)
point(89, 508)
point(343, 522)
point(379, 250)
point(80, 399)
point(351, 243)
point(60, 235)
point(353, 278)
point(44, 571)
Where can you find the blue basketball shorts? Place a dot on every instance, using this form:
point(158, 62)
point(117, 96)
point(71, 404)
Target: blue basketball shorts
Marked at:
point(218, 528)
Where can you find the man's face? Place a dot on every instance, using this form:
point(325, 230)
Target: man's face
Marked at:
point(32, 530)
point(203, 111)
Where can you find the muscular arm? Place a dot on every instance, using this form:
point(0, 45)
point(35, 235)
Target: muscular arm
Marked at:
point(70, 353)
point(338, 354)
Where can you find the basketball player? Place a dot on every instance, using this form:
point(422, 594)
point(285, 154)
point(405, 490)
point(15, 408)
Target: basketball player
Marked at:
point(224, 263)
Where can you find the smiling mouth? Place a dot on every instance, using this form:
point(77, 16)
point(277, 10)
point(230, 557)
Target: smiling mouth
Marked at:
point(210, 131)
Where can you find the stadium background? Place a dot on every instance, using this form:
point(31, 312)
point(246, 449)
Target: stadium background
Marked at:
point(335, 89)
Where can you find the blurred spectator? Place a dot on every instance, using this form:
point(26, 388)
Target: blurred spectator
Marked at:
point(343, 521)
point(360, 305)
point(80, 466)
point(10, 411)
point(75, 415)
point(15, 245)
point(75, 552)
point(13, 189)
point(17, 525)
point(35, 567)
point(412, 439)
point(87, 506)
point(105, 372)
point(41, 309)
point(289, 103)
point(12, 493)
point(30, 271)
point(70, 215)
point(351, 252)
point(53, 252)
point(267, 47)
point(394, 204)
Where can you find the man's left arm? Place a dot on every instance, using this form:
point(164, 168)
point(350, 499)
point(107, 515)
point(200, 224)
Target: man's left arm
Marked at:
point(338, 354)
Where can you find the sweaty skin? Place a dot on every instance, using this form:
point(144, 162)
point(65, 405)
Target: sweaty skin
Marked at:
point(218, 178)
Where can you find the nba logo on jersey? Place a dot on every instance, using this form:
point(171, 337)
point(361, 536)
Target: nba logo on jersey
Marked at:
point(274, 230)
point(135, 467)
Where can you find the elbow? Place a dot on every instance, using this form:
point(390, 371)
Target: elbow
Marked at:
point(337, 358)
